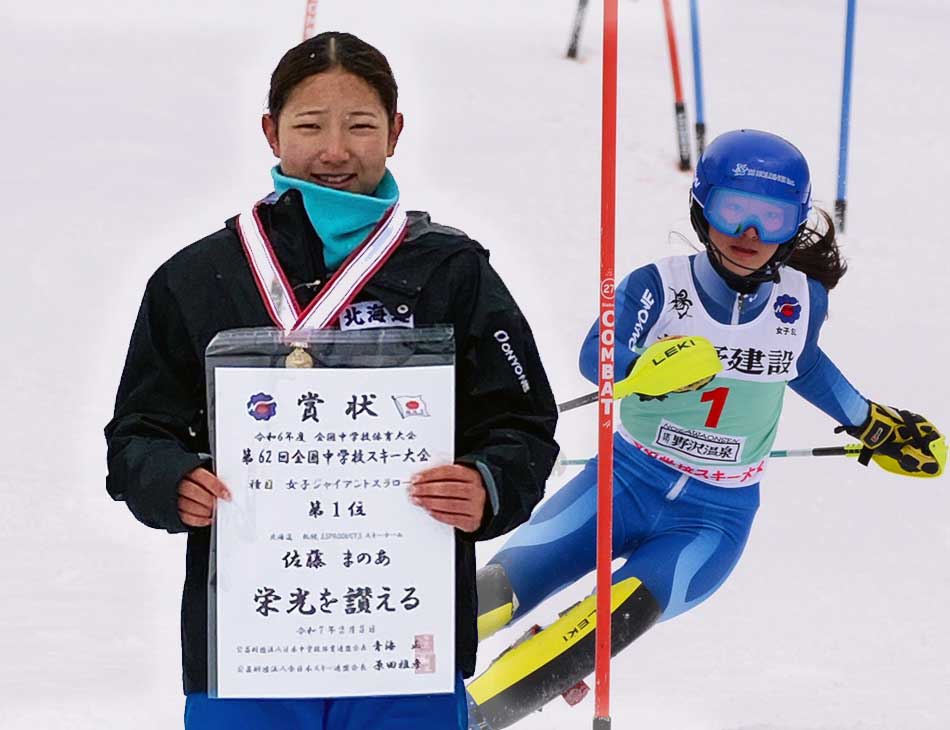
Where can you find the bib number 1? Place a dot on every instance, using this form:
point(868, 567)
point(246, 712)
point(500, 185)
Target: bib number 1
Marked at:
point(716, 396)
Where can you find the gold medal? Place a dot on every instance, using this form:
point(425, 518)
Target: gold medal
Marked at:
point(299, 358)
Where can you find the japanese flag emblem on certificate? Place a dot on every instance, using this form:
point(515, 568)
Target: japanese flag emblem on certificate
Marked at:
point(411, 405)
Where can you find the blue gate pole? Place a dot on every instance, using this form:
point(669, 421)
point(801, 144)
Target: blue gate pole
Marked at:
point(698, 79)
point(841, 200)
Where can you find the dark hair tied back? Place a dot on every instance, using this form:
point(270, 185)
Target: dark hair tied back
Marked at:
point(328, 51)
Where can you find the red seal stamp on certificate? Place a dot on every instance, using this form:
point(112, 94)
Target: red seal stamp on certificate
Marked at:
point(424, 646)
point(424, 643)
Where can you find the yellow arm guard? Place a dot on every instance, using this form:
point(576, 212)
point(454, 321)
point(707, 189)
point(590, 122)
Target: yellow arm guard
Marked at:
point(671, 365)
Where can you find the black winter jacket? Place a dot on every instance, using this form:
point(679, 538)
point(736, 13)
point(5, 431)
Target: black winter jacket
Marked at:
point(160, 431)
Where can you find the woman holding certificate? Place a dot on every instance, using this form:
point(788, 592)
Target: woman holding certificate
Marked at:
point(331, 248)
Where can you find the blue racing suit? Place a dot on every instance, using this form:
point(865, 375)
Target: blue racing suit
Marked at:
point(680, 535)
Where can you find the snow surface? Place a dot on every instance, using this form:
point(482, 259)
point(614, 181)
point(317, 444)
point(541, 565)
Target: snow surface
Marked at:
point(132, 129)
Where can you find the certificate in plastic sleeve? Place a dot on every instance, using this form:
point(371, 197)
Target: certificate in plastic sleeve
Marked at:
point(325, 579)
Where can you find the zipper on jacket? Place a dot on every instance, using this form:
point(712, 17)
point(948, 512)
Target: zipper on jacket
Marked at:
point(315, 284)
point(737, 309)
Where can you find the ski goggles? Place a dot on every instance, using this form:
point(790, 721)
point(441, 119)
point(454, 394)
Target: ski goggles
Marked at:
point(732, 212)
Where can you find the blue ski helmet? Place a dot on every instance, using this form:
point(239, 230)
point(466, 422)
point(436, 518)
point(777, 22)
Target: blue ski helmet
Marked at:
point(742, 175)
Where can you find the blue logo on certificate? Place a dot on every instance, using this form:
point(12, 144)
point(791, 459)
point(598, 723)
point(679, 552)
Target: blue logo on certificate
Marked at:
point(262, 407)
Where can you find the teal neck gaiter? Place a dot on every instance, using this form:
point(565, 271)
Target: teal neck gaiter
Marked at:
point(343, 220)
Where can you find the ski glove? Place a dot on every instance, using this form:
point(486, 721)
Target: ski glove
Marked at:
point(900, 442)
point(698, 385)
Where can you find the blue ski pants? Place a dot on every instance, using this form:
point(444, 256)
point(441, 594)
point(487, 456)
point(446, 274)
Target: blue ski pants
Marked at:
point(412, 712)
point(679, 536)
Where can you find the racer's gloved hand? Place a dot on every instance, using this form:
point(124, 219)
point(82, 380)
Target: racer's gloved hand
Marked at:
point(698, 385)
point(900, 442)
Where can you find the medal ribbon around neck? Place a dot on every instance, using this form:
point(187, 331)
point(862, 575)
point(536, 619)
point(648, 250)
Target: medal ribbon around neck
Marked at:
point(353, 274)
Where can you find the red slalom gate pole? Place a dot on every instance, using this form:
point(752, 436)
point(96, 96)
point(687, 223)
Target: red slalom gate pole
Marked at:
point(682, 134)
point(310, 20)
point(605, 409)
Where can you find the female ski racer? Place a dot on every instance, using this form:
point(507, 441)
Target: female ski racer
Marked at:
point(332, 238)
point(687, 465)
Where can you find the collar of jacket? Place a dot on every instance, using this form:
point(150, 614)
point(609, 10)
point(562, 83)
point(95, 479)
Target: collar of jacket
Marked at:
point(427, 246)
point(343, 220)
point(397, 284)
point(716, 288)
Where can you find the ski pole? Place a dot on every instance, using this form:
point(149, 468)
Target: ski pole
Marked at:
point(576, 30)
point(310, 20)
point(698, 78)
point(846, 450)
point(842, 201)
point(682, 135)
point(852, 450)
point(583, 400)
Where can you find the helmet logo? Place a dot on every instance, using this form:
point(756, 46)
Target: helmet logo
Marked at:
point(743, 170)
